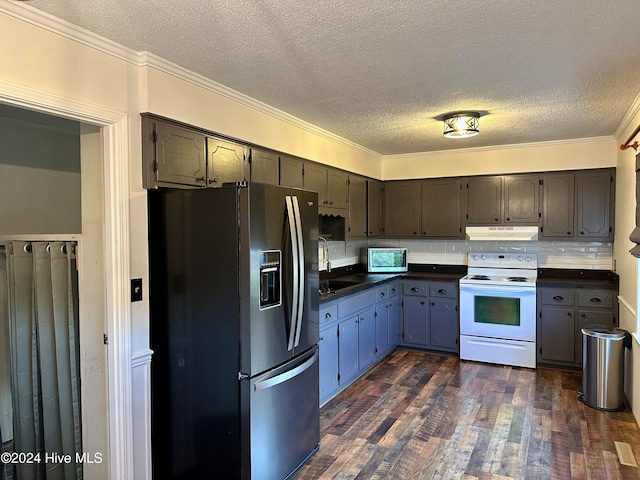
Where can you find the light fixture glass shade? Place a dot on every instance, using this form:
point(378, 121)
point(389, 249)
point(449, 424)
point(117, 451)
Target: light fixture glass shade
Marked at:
point(461, 124)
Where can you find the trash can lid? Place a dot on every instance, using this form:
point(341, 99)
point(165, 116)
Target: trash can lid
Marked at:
point(608, 333)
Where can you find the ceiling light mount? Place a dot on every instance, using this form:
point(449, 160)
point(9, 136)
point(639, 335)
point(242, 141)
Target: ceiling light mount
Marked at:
point(461, 124)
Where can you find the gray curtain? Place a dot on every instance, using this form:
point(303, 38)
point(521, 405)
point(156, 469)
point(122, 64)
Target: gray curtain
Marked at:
point(45, 379)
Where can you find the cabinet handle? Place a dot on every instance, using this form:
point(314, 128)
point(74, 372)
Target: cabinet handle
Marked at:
point(595, 300)
point(508, 219)
point(215, 180)
point(415, 233)
point(327, 315)
point(581, 232)
point(584, 315)
point(568, 233)
point(321, 339)
point(330, 203)
point(497, 219)
point(414, 289)
point(433, 304)
point(570, 314)
point(200, 179)
point(442, 291)
point(393, 289)
point(382, 294)
point(558, 297)
point(421, 303)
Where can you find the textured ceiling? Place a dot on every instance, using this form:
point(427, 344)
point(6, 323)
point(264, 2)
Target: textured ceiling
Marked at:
point(380, 73)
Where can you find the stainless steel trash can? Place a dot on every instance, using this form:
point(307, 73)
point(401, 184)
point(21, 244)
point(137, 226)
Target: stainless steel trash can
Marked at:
point(603, 368)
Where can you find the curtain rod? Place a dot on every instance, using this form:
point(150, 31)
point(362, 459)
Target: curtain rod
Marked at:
point(628, 143)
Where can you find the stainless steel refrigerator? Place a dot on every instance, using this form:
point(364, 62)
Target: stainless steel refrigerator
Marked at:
point(234, 331)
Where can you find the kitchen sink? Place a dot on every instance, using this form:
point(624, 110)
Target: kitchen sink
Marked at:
point(333, 285)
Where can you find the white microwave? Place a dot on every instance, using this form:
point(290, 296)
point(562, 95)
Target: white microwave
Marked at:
point(386, 260)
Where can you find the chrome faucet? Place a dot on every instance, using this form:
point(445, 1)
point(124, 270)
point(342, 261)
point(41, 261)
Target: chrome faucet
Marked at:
point(325, 252)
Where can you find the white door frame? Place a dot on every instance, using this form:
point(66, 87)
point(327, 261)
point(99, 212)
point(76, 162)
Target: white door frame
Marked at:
point(115, 134)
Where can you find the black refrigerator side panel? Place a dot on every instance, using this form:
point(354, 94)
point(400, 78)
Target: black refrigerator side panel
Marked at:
point(194, 333)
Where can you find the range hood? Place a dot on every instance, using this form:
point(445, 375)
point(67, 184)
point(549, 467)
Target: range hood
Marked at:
point(502, 233)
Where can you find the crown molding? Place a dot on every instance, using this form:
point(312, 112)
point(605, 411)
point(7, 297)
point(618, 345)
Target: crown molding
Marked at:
point(513, 146)
point(625, 123)
point(148, 59)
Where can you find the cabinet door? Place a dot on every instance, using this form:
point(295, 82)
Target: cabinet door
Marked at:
point(382, 329)
point(357, 206)
point(175, 155)
point(484, 201)
point(315, 178)
point(521, 200)
point(402, 198)
point(375, 205)
point(415, 321)
point(556, 335)
point(443, 325)
point(227, 162)
point(328, 348)
point(441, 208)
point(590, 319)
point(557, 206)
point(366, 339)
point(348, 350)
point(593, 207)
point(337, 188)
point(394, 323)
point(291, 172)
point(265, 166)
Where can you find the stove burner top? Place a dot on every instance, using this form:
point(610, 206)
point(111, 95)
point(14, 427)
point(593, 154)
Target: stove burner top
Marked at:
point(479, 277)
point(516, 279)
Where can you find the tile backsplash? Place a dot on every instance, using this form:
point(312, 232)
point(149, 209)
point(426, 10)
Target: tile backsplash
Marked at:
point(586, 255)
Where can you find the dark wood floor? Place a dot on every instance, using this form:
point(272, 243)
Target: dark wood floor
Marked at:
point(423, 416)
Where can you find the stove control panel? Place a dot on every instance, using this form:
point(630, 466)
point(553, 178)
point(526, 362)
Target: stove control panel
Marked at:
point(503, 260)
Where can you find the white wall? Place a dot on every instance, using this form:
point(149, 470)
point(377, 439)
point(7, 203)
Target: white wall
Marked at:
point(626, 265)
point(532, 157)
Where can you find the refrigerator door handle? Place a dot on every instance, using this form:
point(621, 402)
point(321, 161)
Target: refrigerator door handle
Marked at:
point(296, 270)
point(301, 266)
point(288, 375)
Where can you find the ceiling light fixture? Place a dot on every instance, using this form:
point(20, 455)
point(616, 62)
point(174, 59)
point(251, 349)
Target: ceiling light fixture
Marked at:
point(461, 124)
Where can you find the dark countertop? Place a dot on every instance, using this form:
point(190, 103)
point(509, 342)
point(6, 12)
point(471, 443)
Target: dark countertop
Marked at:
point(547, 277)
point(429, 273)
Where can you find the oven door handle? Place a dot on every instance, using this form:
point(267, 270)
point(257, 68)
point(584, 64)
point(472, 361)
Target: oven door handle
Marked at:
point(496, 288)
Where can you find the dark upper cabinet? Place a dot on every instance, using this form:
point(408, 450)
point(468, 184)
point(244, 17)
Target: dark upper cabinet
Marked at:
point(503, 200)
point(291, 172)
point(226, 162)
point(265, 166)
point(557, 206)
point(484, 200)
point(331, 185)
point(578, 205)
point(403, 199)
point(173, 155)
point(594, 202)
point(521, 205)
point(357, 206)
point(375, 208)
point(441, 208)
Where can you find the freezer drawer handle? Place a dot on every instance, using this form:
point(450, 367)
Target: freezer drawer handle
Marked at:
point(288, 375)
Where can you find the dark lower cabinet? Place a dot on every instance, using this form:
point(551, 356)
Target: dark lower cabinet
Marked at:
point(430, 317)
point(563, 313)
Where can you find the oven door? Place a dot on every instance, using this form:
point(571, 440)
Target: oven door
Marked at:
point(493, 311)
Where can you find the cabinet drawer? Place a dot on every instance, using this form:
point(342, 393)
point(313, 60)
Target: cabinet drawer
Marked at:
point(557, 297)
point(328, 314)
point(414, 288)
point(595, 318)
point(355, 303)
point(443, 290)
point(595, 299)
point(382, 293)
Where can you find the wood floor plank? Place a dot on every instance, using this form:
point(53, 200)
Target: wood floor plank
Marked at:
point(425, 416)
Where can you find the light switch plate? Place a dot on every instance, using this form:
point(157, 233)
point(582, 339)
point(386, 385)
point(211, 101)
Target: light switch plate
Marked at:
point(136, 289)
